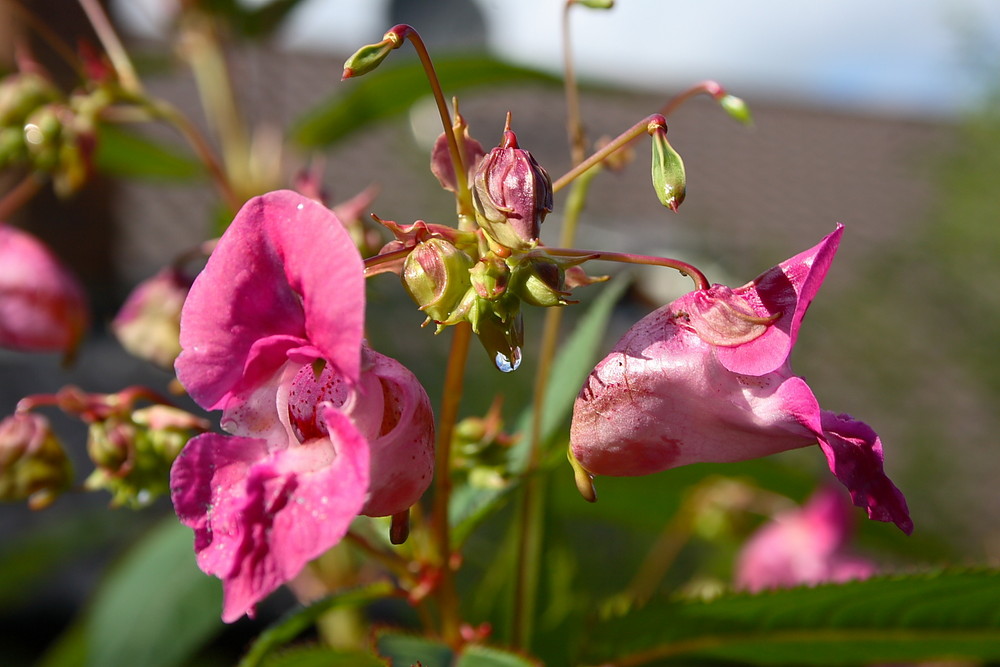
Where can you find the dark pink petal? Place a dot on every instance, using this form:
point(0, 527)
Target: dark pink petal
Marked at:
point(285, 268)
point(42, 305)
point(259, 516)
point(854, 453)
point(441, 164)
point(788, 289)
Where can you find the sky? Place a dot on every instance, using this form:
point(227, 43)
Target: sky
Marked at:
point(916, 57)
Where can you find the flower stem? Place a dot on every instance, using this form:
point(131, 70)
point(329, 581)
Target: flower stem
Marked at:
point(464, 195)
point(20, 195)
point(692, 272)
point(713, 88)
point(642, 127)
point(574, 126)
point(450, 402)
point(112, 46)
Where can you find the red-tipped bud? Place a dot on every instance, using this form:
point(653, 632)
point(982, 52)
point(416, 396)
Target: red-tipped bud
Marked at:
point(512, 195)
point(370, 56)
point(669, 179)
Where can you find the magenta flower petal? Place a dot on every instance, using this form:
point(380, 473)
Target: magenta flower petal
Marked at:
point(788, 289)
point(260, 514)
point(42, 305)
point(284, 268)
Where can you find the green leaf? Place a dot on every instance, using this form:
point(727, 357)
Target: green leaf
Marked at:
point(576, 358)
point(295, 623)
point(485, 656)
point(394, 87)
point(322, 656)
point(156, 608)
point(404, 649)
point(946, 614)
point(126, 154)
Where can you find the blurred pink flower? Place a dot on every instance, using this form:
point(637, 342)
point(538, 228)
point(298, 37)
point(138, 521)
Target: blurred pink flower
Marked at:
point(42, 305)
point(707, 379)
point(806, 545)
point(323, 428)
point(148, 323)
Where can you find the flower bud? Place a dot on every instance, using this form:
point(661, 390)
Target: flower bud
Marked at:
point(502, 338)
point(33, 464)
point(736, 108)
point(490, 277)
point(370, 56)
point(42, 306)
point(149, 323)
point(668, 169)
point(539, 282)
point(470, 150)
point(436, 275)
point(512, 195)
point(22, 93)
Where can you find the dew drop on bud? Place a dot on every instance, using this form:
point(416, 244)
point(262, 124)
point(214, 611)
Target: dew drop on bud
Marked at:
point(511, 363)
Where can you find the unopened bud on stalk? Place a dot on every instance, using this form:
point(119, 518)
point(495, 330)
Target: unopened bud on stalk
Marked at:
point(370, 56)
point(436, 275)
point(22, 93)
point(512, 194)
point(539, 282)
point(596, 4)
point(736, 108)
point(33, 464)
point(668, 169)
point(490, 277)
point(502, 338)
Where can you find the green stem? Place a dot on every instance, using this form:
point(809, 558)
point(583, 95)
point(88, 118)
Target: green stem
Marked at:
point(112, 46)
point(642, 127)
point(692, 272)
point(448, 416)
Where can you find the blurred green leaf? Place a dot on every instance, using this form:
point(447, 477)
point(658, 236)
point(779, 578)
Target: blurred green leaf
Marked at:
point(406, 649)
point(296, 622)
point(485, 656)
point(947, 614)
point(322, 656)
point(128, 155)
point(156, 608)
point(576, 357)
point(395, 86)
point(252, 20)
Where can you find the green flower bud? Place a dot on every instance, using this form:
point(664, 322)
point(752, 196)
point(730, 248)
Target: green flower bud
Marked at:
point(596, 4)
point(539, 282)
point(668, 169)
point(134, 454)
point(22, 93)
point(490, 277)
point(436, 275)
point(33, 464)
point(736, 108)
point(512, 195)
point(42, 134)
point(370, 56)
point(502, 338)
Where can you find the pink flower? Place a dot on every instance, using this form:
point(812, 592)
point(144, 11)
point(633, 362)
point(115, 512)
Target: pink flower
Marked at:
point(323, 428)
point(42, 306)
point(707, 378)
point(806, 545)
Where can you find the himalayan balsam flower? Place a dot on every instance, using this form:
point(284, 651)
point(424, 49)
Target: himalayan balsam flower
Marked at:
point(807, 545)
point(42, 306)
point(707, 379)
point(323, 428)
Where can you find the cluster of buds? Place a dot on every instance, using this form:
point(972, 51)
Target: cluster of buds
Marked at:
point(132, 449)
point(480, 449)
point(47, 131)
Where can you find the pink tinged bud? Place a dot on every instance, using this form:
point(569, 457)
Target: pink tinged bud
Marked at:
point(710, 387)
point(42, 306)
point(669, 179)
point(471, 151)
point(436, 276)
point(149, 323)
point(370, 56)
point(803, 546)
point(512, 195)
point(33, 464)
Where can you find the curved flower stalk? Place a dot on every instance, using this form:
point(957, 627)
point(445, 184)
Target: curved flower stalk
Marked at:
point(707, 379)
point(322, 428)
point(805, 545)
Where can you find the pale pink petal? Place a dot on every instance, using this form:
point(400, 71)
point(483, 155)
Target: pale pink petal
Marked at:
point(285, 268)
point(788, 289)
point(441, 164)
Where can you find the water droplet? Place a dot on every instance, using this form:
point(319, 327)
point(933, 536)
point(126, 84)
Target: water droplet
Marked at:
point(300, 206)
point(508, 364)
